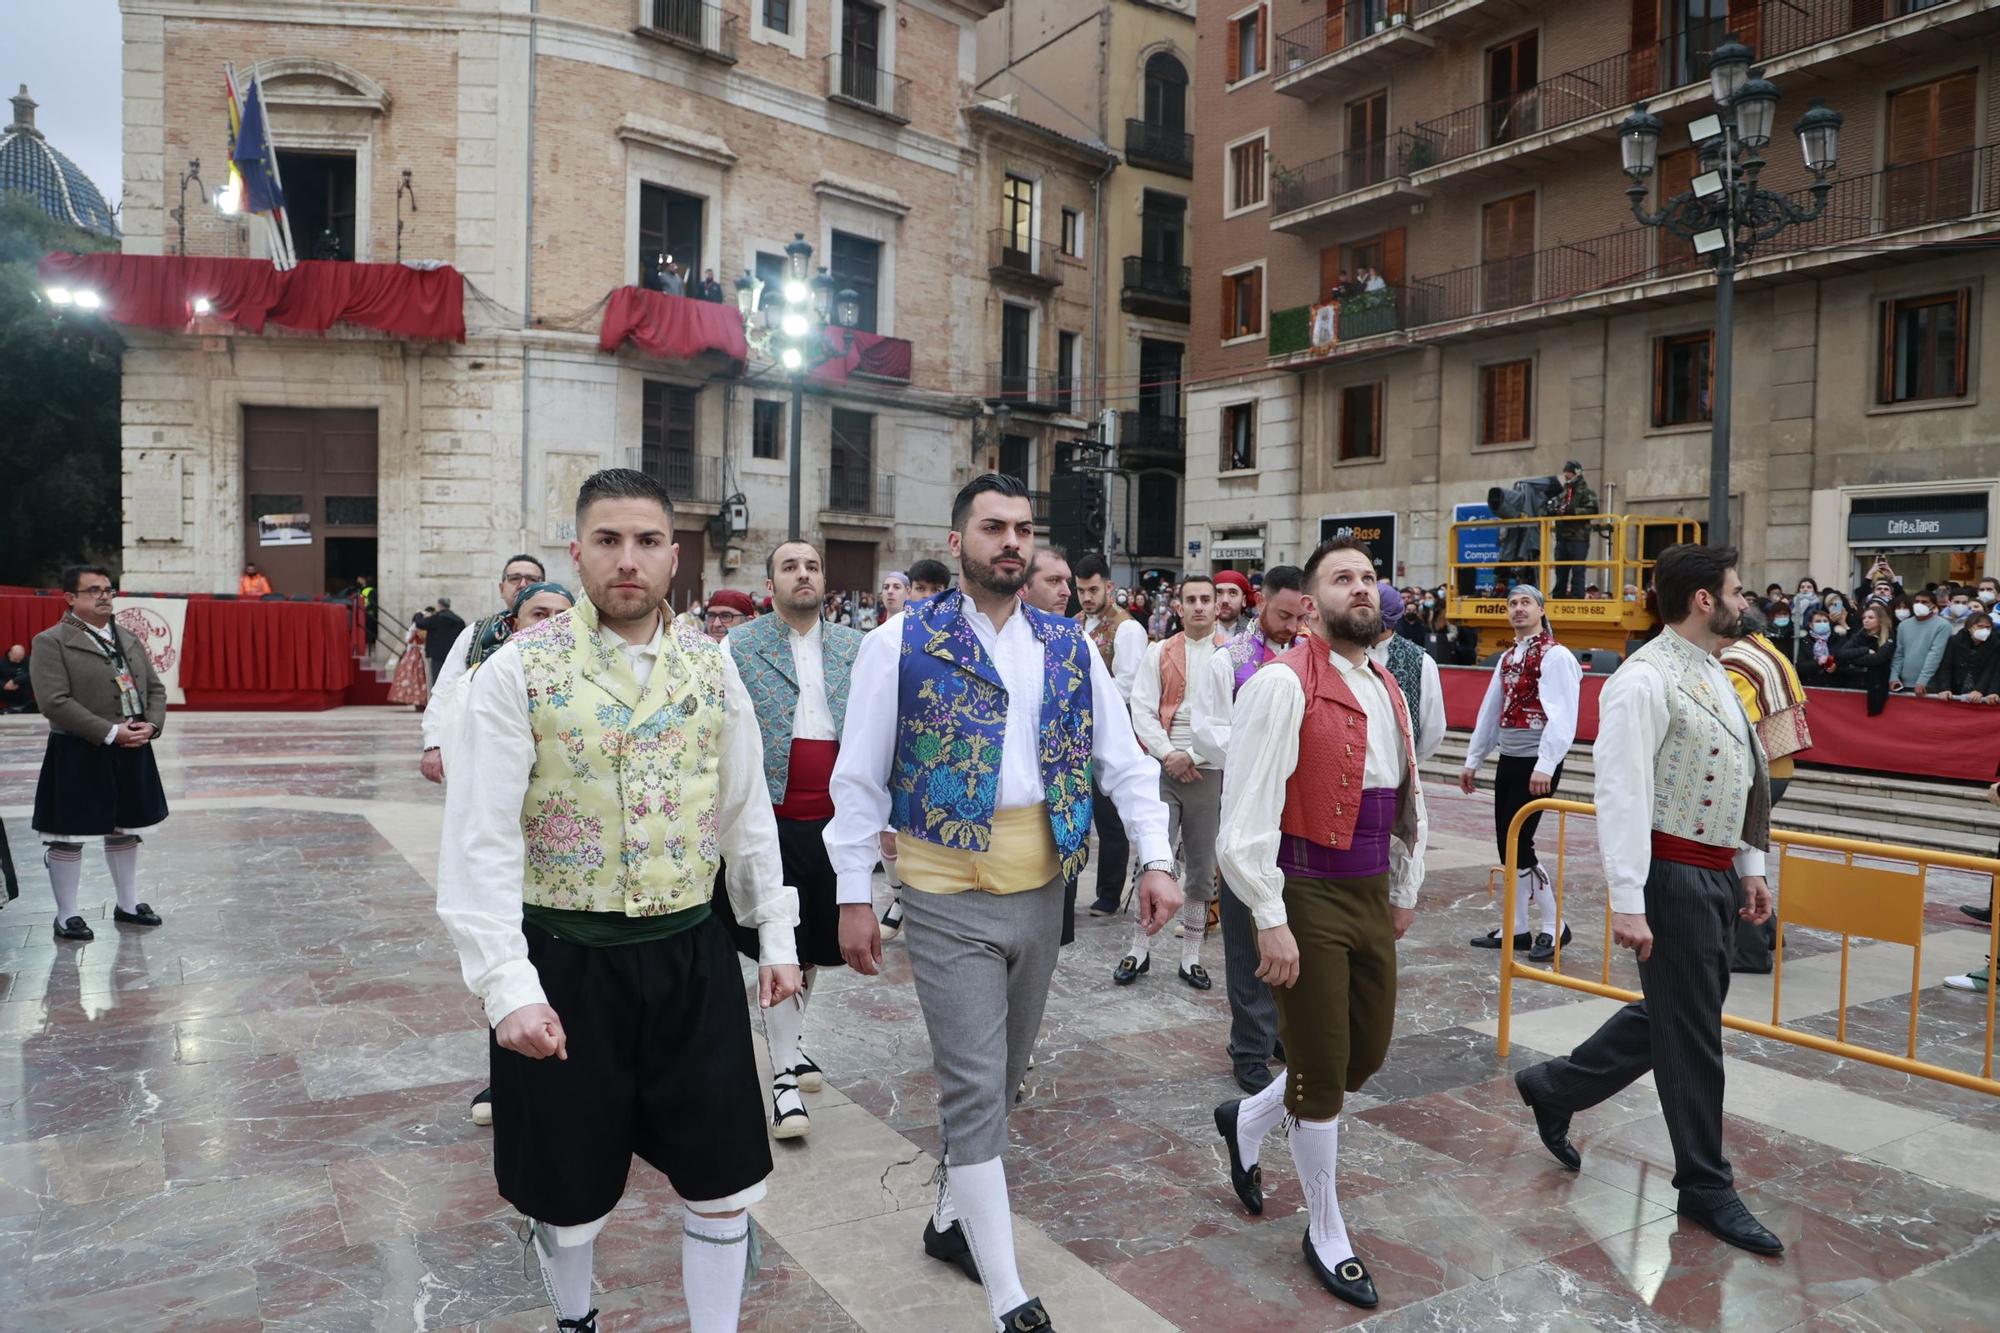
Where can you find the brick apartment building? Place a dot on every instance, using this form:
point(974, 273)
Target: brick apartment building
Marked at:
point(1466, 150)
point(553, 152)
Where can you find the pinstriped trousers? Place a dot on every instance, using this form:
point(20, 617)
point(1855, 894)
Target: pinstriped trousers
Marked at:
point(1675, 1031)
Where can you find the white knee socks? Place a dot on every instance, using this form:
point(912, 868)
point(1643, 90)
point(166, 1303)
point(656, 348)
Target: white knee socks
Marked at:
point(1316, 1150)
point(567, 1255)
point(123, 858)
point(784, 1025)
point(980, 1193)
point(1542, 894)
point(1256, 1117)
point(65, 863)
point(715, 1266)
point(1194, 924)
point(1142, 943)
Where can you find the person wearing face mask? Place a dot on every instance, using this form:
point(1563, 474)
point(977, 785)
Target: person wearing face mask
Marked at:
point(1812, 653)
point(1920, 643)
point(1970, 672)
point(1837, 613)
point(1987, 593)
point(1781, 629)
point(1805, 599)
point(1631, 592)
point(1865, 658)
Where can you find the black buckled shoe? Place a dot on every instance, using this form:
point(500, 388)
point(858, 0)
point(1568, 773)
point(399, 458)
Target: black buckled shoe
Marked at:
point(1029, 1318)
point(142, 914)
point(1730, 1221)
point(1197, 977)
point(76, 928)
point(1247, 1181)
point(1544, 947)
point(1553, 1126)
point(1347, 1279)
point(1491, 939)
point(1130, 968)
point(950, 1246)
point(587, 1324)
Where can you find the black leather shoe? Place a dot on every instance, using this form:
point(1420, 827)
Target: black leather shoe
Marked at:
point(76, 928)
point(1253, 1079)
point(1347, 1279)
point(1553, 1126)
point(1544, 947)
point(1102, 908)
point(587, 1324)
point(1029, 1318)
point(142, 915)
point(1248, 1182)
point(1197, 977)
point(1983, 915)
point(1730, 1221)
point(950, 1246)
point(1491, 940)
point(1130, 968)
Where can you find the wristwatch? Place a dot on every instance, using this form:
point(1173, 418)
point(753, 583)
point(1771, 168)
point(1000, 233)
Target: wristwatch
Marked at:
point(1169, 867)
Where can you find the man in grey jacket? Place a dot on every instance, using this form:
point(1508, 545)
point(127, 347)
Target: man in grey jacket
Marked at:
point(1920, 644)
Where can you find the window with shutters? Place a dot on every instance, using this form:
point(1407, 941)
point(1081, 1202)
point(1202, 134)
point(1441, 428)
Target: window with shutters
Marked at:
point(767, 428)
point(1245, 166)
point(1381, 253)
point(1676, 173)
point(1239, 437)
point(1367, 141)
point(1243, 303)
point(1924, 347)
point(1245, 57)
point(1928, 172)
point(1361, 422)
point(1505, 393)
point(1511, 108)
point(666, 436)
point(1683, 378)
point(1507, 275)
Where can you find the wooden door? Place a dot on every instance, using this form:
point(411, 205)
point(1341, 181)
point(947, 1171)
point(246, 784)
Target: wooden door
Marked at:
point(687, 585)
point(1929, 175)
point(1511, 73)
point(850, 568)
point(309, 476)
point(1508, 252)
point(1367, 140)
point(1676, 172)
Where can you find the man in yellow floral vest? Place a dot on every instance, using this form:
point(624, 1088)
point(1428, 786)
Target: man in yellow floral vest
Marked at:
point(613, 758)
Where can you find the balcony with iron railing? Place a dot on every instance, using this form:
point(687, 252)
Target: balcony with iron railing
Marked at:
point(1371, 179)
point(707, 30)
point(1159, 147)
point(1357, 39)
point(1364, 315)
point(1944, 199)
point(1052, 391)
point(1155, 287)
point(1590, 100)
point(858, 493)
point(1151, 438)
point(851, 83)
point(1019, 259)
point(689, 477)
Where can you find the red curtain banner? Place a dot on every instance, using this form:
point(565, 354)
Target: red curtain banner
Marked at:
point(159, 291)
point(673, 328)
point(870, 354)
point(1924, 738)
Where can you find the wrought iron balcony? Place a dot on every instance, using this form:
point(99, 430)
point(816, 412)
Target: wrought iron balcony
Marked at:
point(1159, 148)
point(1032, 390)
point(866, 87)
point(1153, 287)
point(1150, 437)
point(1375, 175)
point(690, 477)
point(858, 491)
point(708, 30)
point(1013, 257)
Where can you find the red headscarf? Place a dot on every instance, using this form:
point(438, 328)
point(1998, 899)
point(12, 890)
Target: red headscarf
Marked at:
point(1237, 580)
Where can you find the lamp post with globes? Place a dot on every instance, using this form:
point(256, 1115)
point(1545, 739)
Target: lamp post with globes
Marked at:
point(801, 340)
point(1724, 213)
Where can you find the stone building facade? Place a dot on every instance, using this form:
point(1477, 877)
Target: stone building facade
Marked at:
point(1466, 150)
point(555, 152)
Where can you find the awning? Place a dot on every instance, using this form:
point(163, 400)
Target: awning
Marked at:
point(1942, 520)
point(1237, 548)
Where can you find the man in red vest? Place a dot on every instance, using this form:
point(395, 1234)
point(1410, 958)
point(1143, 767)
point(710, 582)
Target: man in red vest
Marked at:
point(1324, 738)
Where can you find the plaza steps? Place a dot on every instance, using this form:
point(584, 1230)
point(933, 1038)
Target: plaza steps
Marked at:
point(1939, 815)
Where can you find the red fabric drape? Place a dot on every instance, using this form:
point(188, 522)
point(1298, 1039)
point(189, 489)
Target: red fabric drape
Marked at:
point(22, 618)
point(673, 328)
point(1914, 737)
point(159, 291)
point(867, 354)
point(258, 646)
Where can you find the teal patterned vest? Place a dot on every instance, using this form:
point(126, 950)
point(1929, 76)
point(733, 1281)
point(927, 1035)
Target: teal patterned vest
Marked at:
point(1406, 664)
point(763, 652)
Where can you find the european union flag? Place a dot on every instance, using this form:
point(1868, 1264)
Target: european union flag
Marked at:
point(254, 160)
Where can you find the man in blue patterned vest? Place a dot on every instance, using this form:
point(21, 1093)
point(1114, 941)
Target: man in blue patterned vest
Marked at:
point(795, 665)
point(973, 722)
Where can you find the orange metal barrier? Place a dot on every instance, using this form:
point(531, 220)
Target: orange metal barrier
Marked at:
point(1873, 902)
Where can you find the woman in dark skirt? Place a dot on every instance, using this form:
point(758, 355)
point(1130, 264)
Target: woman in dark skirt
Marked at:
point(105, 706)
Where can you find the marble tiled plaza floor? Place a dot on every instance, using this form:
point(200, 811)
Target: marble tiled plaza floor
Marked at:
point(254, 1117)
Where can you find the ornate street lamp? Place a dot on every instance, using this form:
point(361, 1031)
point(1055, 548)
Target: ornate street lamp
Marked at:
point(1724, 213)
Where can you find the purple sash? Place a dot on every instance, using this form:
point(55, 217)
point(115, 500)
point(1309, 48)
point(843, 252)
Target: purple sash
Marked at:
point(1368, 856)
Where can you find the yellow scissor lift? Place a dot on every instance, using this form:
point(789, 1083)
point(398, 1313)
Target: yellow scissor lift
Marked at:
point(1476, 591)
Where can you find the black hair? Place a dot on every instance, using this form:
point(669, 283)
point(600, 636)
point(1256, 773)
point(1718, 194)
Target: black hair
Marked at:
point(1092, 566)
point(1327, 548)
point(73, 575)
point(1050, 553)
point(619, 483)
point(1684, 570)
point(998, 483)
point(930, 573)
point(1283, 578)
point(771, 559)
point(541, 571)
point(1186, 579)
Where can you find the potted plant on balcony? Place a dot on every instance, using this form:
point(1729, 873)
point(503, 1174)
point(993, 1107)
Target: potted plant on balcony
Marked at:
point(1421, 153)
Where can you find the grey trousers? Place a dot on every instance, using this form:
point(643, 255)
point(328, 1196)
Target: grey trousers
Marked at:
point(1253, 1010)
point(1194, 816)
point(982, 963)
point(1675, 1031)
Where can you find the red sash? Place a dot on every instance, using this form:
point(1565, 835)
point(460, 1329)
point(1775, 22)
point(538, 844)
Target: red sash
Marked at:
point(1683, 851)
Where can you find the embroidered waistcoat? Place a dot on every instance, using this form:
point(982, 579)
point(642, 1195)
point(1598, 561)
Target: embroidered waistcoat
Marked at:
point(1323, 795)
point(1247, 652)
point(1521, 683)
point(1106, 633)
point(1406, 664)
point(952, 726)
point(763, 649)
point(1708, 786)
point(620, 814)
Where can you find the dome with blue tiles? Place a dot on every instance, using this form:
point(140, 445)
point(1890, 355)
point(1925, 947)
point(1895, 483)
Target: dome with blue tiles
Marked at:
point(28, 163)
